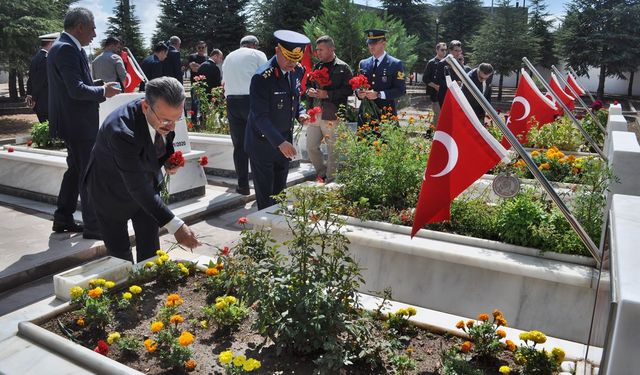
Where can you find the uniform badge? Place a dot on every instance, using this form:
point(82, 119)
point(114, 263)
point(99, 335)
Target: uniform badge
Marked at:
point(384, 78)
point(401, 76)
point(281, 104)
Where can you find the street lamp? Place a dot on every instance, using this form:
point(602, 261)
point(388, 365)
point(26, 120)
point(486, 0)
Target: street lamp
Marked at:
point(437, 26)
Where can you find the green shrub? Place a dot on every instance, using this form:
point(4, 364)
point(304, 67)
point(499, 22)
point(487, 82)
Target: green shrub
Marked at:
point(40, 136)
point(517, 217)
point(561, 133)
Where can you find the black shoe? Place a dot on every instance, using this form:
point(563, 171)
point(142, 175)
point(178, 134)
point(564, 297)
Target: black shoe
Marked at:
point(59, 227)
point(244, 190)
point(90, 235)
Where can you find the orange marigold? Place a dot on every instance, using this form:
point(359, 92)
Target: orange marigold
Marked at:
point(510, 345)
point(212, 271)
point(470, 323)
point(501, 321)
point(95, 292)
point(466, 346)
point(501, 333)
point(80, 322)
point(156, 326)
point(150, 345)
point(190, 365)
point(186, 338)
point(483, 317)
point(174, 300)
point(460, 324)
point(176, 319)
point(497, 313)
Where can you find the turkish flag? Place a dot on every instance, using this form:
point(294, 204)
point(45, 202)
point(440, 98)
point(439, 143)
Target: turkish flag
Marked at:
point(564, 97)
point(307, 63)
point(528, 103)
point(462, 151)
point(134, 77)
point(574, 85)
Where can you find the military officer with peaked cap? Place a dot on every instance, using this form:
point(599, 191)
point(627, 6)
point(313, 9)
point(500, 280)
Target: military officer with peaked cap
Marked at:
point(384, 72)
point(37, 85)
point(275, 104)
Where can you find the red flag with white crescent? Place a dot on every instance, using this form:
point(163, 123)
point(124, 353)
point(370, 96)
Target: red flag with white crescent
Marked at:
point(134, 77)
point(307, 63)
point(564, 97)
point(462, 151)
point(574, 85)
point(528, 103)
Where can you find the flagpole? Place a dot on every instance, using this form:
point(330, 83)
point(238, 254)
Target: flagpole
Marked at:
point(138, 68)
point(577, 96)
point(517, 147)
point(566, 109)
point(573, 72)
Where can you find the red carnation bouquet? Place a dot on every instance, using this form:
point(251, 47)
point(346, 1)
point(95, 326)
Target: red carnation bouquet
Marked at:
point(321, 77)
point(369, 108)
point(176, 160)
point(313, 112)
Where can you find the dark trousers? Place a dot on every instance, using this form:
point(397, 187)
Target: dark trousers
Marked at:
point(42, 114)
point(238, 113)
point(78, 153)
point(195, 103)
point(116, 237)
point(269, 177)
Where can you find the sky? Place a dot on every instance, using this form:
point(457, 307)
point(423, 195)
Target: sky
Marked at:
point(148, 12)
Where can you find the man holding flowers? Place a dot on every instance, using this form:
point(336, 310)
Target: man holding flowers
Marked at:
point(329, 85)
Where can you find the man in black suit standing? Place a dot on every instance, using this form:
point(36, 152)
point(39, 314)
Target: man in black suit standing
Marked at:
point(210, 70)
point(172, 65)
point(37, 84)
point(152, 64)
point(429, 78)
point(124, 176)
point(73, 116)
point(443, 70)
point(481, 77)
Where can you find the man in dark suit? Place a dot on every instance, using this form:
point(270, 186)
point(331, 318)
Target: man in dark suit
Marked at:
point(73, 116)
point(481, 77)
point(429, 78)
point(210, 70)
point(152, 64)
point(37, 84)
point(275, 104)
point(443, 70)
point(172, 65)
point(384, 72)
point(124, 176)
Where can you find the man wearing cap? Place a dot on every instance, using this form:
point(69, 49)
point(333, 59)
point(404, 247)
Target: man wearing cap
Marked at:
point(237, 70)
point(274, 105)
point(37, 85)
point(384, 72)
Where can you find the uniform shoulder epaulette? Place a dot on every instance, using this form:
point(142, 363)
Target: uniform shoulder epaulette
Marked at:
point(267, 72)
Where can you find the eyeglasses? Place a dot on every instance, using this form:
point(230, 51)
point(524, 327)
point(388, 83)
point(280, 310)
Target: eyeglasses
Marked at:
point(163, 122)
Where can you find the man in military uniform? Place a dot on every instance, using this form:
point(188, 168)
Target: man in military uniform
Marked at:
point(37, 85)
point(384, 72)
point(275, 103)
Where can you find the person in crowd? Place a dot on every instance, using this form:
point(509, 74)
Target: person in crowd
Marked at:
point(37, 83)
point(275, 104)
point(443, 70)
point(73, 116)
point(210, 69)
point(194, 61)
point(237, 70)
point(132, 145)
point(384, 72)
point(152, 64)
point(331, 98)
point(461, 60)
point(429, 78)
point(172, 65)
point(108, 66)
point(481, 76)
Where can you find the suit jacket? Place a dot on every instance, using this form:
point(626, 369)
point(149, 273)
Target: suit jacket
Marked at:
point(172, 65)
point(37, 85)
point(124, 172)
point(152, 68)
point(477, 108)
point(210, 70)
point(73, 100)
point(429, 76)
point(275, 103)
point(387, 77)
point(442, 71)
point(109, 67)
point(338, 91)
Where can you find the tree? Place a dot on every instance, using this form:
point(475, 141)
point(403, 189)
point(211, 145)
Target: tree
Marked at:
point(602, 34)
point(460, 19)
point(503, 40)
point(124, 24)
point(20, 24)
point(224, 24)
point(182, 18)
point(417, 21)
point(540, 28)
point(345, 22)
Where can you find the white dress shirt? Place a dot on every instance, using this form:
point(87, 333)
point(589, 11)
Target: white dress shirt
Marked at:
point(238, 69)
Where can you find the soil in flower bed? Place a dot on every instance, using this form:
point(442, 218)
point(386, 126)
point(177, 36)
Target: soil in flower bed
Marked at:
point(425, 346)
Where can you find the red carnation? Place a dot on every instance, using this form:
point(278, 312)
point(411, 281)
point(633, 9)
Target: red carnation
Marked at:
point(199, 78)
point(321, 77)
point(313, 112)
point(102, 348)
point(243, 220)
point(189, 125)
point(176, 160)
point(191, 113)
point(204, 160)
point(359, 82)
point(10, 149)
point(29, 143)
point(225, 250)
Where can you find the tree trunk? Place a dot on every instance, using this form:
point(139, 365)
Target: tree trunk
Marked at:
point(601, 79)
point(13, 91)
point(500, 87)
point(630, 89)
point(21, 85)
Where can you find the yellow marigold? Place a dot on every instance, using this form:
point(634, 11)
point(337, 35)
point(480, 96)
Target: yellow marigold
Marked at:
point(151, 345)
point(186, 338)
point(510, 345)
point(466, 346)
point(520, 163)
point(184, 270)
point(250, 365)
point(483, 317)
point(149, 265)
point(402, 312)
point(411, 120)
point(230, 300)
point(239, 360)
point(176, 319)
point(160, 253)
point(109, 284)
point(460, 324)
point(190, 365)
point(95, 292)
point(225, 357)
point(412, 311)
point(558, 353)
point(212, 271)
point(127, 295)
point(544, 166)
point(221, 305)
point(559, 154)
point(470, 323)
point(113, 337)
point(497, 313)
point(524, 336)
point(204, 324)
point(76, 292)
point(174, 300)
point(80, 322)
point(100, 282)
point(156, 326)
point(504, 370)
point(164, 258)
point(537, 337)
point(219, 266)
point(502, 334)
point(535, 153)
point(135, 289)
point(376, 143)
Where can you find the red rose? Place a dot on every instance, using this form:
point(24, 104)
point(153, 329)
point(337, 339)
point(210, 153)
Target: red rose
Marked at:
point(225, 250)
point(191, 113)
point(359, 82)
point(29, 143)
point(176, 160)
point(102, 348)
point(10, 149)
point(321, 77)
point(204, 160)
point(243, 220)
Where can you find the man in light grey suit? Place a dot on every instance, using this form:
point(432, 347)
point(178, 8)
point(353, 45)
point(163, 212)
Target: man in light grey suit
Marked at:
point(108, 66)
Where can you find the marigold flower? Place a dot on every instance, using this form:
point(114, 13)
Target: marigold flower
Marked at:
point(502, 334)
point(520, 163)
point(496, 313)
point(524, 336)
point(164, 258)
point(221, 305)
point(212, 271)
point(174, 300)
point(510, 345)
point(402, 312)
point(80, 322)
point(204, 324)
point(466, 346)
point(239, 360)
point(483, 317)
point(109, 284)
point(151, 345)
point(186, 338)
point(225, 357)
point(470, 323)
point(113, 337)
point(504, 370)
point(460, 324)
point(250, 365)
point(230, 300)
point(190, 365)
point(537, 337)
point(135, 289)
point(412, 311)
point(558, 353)
point(501, 321)
point(156, 326)
point(127, 295)
point(544, 166)
point(95, 292)
point(161, 253)
point(535, 153)
point(149, 265)
point(176, 319)
point(76, 292)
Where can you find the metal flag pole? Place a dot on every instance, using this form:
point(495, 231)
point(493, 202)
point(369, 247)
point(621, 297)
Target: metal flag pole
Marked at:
point(517, 147)
point(577, 96)
point(573, 72)
point(138, 68)
point(566, 109)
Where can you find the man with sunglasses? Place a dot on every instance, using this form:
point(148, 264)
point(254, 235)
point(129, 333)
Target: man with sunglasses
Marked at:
point(124, 176)
point(429, 78)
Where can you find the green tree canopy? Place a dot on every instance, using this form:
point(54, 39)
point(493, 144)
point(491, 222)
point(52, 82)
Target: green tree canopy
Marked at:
point(540, 27)
point(183, 18)
point(124, 24)
point(418, 21)
point(460, 19)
